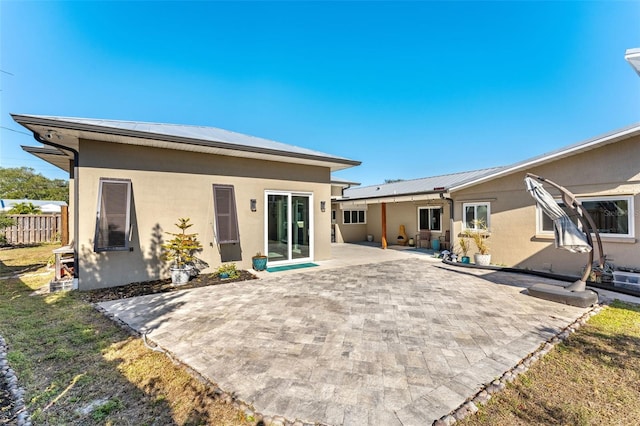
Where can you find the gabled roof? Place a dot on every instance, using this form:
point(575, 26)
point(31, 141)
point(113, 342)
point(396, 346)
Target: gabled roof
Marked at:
point(434, 185)
point(343, 182)
point(457, 181)
point(67, 131)
point(578, 148)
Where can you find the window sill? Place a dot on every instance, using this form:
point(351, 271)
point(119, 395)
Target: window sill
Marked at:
point(604, 238)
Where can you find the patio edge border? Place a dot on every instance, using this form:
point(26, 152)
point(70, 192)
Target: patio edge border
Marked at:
point(482, 397)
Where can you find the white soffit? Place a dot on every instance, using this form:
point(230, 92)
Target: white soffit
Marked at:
point(633, 57)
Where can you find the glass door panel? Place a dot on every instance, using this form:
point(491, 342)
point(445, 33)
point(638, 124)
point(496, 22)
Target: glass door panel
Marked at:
point(277, 235)
point(288, 227)
point(300, 227)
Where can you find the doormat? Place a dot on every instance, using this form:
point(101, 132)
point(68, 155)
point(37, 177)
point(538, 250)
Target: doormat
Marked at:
point(289, 267)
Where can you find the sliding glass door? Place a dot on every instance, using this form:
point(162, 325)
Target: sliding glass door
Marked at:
point(288, 227)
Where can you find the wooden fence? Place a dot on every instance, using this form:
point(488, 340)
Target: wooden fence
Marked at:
point(34, 228)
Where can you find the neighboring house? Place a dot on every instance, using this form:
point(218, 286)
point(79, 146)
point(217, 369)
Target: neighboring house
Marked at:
point(46, 206)
point(131, 181)
point(604, 173)
point(338, 186)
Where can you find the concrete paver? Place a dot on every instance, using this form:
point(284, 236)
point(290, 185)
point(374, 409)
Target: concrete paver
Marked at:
point(400, 340)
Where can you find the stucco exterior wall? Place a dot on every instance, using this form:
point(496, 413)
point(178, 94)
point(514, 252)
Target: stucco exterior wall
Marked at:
point(610, 170)
point(167, 185)
point(400, 213)
point(350, 232)
point(336, 190)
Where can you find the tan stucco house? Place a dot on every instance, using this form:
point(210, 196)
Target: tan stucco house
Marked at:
point(604, 172)
point(131, 181)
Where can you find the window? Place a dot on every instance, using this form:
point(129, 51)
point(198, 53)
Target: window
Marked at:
point(354, 216)
point(113, 215)
point(430, 218)
point(333, 216)
point(475, 214)
point(224, 203)
point(611, 215)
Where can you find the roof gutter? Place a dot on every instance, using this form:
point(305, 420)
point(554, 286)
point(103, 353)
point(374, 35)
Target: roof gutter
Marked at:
point(76, 155)
point(47, 141)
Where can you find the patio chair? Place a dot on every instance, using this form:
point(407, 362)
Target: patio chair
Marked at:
point(424, 236)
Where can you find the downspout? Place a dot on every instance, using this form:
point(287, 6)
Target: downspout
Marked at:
point(76, 155)
point(450, 200)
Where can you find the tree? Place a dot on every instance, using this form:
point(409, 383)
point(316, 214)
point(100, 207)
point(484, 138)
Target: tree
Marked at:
point(25, 208)
point(25, 183)
point(5, 222)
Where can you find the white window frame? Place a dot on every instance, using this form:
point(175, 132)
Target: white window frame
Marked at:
point(630, 215)
point(475, 214)
point(364, 212)
point(127, 226)
point(430, 208)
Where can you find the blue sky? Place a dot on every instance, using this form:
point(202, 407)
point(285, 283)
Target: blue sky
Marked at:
point(411, 89)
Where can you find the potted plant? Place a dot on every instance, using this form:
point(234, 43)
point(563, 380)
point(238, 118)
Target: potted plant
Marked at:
point(228, 271)
point(464, 246)
point(180, 250)
point(259, 262)
point(479, 235)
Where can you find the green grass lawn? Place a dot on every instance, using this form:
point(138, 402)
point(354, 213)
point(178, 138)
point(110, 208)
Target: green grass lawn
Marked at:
point(78, 367)
point(593, 378)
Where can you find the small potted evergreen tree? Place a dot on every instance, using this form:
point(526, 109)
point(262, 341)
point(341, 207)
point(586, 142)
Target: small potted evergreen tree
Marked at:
point(180, 250)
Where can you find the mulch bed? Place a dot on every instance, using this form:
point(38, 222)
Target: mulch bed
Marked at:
point(158, 286)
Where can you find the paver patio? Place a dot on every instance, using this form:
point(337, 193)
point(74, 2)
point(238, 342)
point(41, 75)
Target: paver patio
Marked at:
point(398, 342)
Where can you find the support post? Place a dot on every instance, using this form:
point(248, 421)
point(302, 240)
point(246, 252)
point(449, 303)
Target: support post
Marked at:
point(64, 225)
point(384, 225)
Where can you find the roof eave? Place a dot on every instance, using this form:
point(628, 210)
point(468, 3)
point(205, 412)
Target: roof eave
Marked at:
point(53, 156)
point(392, 197)
point(334, 163)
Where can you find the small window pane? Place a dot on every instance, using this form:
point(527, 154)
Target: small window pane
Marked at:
point(482, 216)
point(354, 216)
point(435, 219)
point(547, 223)
point(610, 217)
point(424, 219)
point(469, 216)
